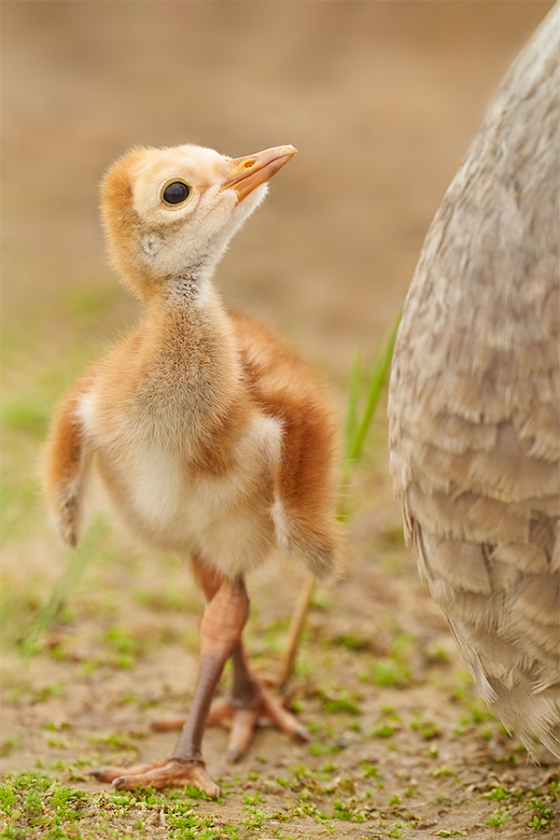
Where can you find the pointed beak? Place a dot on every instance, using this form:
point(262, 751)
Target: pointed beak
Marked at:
point(249, 172)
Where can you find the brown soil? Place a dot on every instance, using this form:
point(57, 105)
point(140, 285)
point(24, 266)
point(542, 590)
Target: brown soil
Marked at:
point(381, 99)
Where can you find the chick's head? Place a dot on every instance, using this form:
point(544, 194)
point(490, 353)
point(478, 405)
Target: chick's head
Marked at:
point(172, 211)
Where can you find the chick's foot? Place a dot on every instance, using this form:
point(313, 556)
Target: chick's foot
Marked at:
point(172, 772)
point(243, 718)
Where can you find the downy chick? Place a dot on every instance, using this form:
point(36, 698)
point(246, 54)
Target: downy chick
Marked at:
point(212, 439)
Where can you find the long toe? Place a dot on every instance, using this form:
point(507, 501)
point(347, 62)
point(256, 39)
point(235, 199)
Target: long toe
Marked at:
point(168, 724)
point(243, 721)
point(170, 773)
point(284, 720)
point(110, 773)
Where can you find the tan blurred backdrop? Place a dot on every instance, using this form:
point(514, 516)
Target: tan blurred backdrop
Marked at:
point(380, 98)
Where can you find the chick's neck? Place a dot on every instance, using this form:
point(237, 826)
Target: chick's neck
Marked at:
point(189, 351)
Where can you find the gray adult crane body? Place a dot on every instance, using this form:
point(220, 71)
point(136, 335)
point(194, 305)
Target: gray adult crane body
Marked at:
point(474, 404)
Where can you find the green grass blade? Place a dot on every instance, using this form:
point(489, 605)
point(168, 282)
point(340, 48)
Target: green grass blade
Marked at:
point(357, 429)
point(353, 403)
point(378, 377)
point(48, 613)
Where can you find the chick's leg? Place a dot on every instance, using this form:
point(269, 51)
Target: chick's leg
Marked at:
point(249, 701)
point(221, 627)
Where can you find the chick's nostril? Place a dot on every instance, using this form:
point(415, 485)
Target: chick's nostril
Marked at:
point(248, 163)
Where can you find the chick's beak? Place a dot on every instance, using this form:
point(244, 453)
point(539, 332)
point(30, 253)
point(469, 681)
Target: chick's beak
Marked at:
point(249, 172)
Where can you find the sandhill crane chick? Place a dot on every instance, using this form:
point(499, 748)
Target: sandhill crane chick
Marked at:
point(211, 438)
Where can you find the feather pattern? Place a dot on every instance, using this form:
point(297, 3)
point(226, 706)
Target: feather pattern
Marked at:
point(474, 404)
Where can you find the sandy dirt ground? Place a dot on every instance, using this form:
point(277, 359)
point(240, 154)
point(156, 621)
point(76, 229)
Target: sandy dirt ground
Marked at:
point(381, 99)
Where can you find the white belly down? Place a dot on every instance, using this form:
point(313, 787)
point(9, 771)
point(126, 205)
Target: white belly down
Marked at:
point(226, 519)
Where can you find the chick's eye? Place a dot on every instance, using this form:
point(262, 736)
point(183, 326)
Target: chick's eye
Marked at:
point(176, 193)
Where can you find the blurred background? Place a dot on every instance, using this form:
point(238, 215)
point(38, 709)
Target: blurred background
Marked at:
point(380, 98)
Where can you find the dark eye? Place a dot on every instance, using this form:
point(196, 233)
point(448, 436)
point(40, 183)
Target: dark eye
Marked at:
point(176, 193)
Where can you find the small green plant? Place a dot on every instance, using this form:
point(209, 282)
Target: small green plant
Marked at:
point(387, 673)
point(441, 772)
point(252, 799)
point(370, 771)
point(352, 642)
point(427, 729)
point(542, 818)
point(499, 817)
point(341, 705)
point(383, 731)
point(538, 822)
point(498, 794)
point(346, 811)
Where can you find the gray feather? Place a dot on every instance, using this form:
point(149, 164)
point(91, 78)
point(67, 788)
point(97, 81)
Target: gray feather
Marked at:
point(474, 403)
